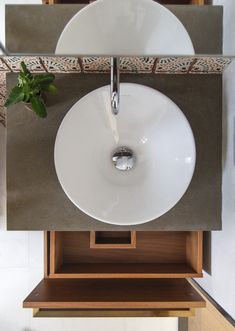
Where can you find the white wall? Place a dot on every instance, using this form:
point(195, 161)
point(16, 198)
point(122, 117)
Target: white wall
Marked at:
point(220, 284)
point(229, 25)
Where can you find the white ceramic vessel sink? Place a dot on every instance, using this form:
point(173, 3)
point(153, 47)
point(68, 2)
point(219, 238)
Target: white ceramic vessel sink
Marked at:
point(149, 124)
point(124, 27)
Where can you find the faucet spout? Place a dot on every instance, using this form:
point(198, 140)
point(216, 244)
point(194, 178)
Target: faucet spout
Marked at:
point(115, 85)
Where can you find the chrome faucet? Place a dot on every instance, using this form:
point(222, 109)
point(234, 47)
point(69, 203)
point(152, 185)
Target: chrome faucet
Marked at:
point(114, 93)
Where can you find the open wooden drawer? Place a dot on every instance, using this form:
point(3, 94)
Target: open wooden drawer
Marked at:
point(124, 254)
point(119, 274)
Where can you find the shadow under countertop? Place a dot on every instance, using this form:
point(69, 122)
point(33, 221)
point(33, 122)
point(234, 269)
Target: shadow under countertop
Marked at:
point(35, 199)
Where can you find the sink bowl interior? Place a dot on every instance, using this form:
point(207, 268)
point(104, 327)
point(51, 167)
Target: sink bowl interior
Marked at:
point(148, 123)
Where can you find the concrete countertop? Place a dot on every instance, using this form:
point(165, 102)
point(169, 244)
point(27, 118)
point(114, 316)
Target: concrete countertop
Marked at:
point(35, 199)
point(36, 29)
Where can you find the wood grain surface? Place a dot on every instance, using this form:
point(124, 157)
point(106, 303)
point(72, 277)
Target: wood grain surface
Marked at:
point(157, 255)
point(114, 294)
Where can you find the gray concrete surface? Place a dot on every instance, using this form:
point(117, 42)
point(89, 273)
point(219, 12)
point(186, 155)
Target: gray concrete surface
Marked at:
point(36, 29)
point(35, 199)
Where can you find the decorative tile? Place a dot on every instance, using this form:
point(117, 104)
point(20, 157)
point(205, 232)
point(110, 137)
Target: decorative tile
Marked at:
point(2, 119)
point(2, 95)
point(167, 65)
point(2, 78)
point(2, 101)
point(137, 64)
point(3, 90)
point(210, 65)
point(127, 64)
point(2, 113)
point(61, 64)
point(171, 65)
point(2, 98)
point(3, 66)
point(95, 64)
point(33, 63)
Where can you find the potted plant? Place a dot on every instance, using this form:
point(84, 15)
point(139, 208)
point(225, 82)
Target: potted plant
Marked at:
point(30, 90)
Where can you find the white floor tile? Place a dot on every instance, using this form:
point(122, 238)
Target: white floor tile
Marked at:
point(47, 324)
point(151, 324)
point(13, 289)
point(14, 250)
point(94, 324)
point(36, 249)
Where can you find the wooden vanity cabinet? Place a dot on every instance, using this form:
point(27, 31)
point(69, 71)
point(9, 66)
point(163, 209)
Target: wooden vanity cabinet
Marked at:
point(104, 274)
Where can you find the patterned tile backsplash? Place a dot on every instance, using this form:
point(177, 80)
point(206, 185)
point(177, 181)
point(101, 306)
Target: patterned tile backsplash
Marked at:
point(95, 64)
point(2, 96)
point(33, 63)
point(210, 65)
point(61, 64)
point(3, 66)
point(174, 65)
point(127, 64)
point(166, 65)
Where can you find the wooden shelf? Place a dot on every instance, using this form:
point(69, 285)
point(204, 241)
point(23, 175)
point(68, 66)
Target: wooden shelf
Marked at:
point(156, 255)
point(114, 294)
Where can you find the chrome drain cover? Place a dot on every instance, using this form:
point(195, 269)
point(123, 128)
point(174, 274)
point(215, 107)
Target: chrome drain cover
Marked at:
point(123, 158)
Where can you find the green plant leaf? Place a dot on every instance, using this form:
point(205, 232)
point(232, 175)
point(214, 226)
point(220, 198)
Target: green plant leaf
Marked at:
point(38, 106)
point(25, 70)
point(21, 78)
point(44, 79)
point(49, 88)
point(26, 98)
point(29, 89)
point(16, 95)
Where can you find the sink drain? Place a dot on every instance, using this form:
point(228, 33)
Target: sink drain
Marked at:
point(123, 158)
